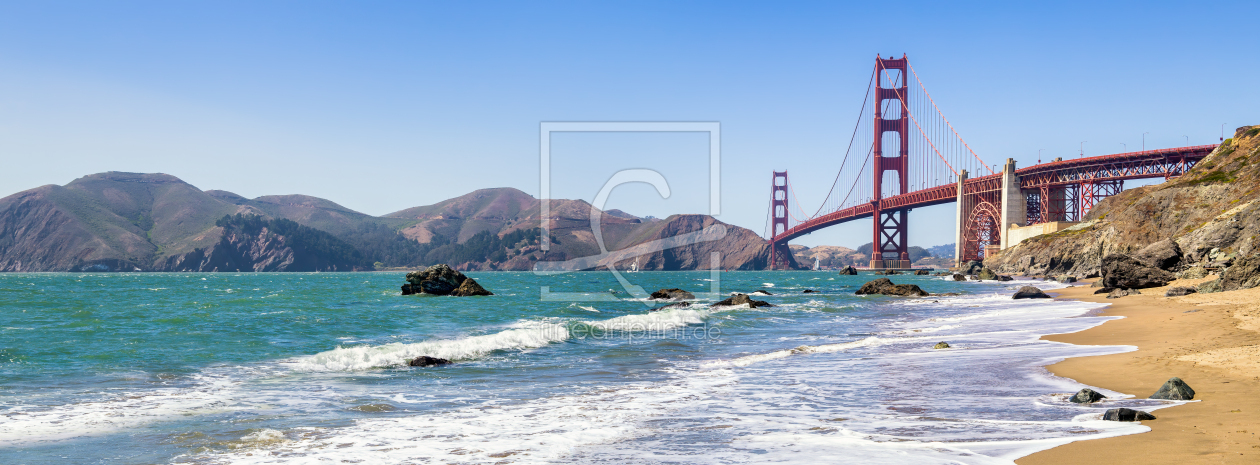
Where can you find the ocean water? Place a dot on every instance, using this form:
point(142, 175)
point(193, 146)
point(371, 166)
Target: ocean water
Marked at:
point(141, 368)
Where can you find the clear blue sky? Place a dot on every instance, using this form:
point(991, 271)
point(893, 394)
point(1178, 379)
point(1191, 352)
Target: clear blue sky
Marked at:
point(387, 105)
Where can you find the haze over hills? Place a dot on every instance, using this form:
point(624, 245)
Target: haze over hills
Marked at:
point(156, 222)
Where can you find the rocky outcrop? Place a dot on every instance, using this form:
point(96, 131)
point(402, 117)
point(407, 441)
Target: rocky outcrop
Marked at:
point(1124, 272)
point(741, 299)
point(1086, 396)
point(1209, 216)
point(1029, 292)
point(760, 292)
point(1126, 414)
point(959, 277)
point(442, 280)
point(672, 294)
point(884, 286)
point(1244, 273)
point(848, 271)
point(986, 274)
point(922, 272)
point(970, 267)
point(1118, 293)
point(941, 345)
point(1174, 389)
point(427, 361)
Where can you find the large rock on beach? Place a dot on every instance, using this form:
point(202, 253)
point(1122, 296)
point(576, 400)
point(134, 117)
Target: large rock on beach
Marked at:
point(1029, 292)
point(741, 299)
point(959, 277)
point(986, 274)
point(1165, 255)
point(970, 267)
point(884, 286)
point(1126, 414)
point(427, 361)
point(1174, 389)
point(1125, 272)
point(848, 271)
point(1243, 274)
point(1087, 396)
point(441, 280)
point(1118, 293)
point(672, 294)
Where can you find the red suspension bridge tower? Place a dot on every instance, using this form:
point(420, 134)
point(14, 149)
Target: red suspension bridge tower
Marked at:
point(892, 154)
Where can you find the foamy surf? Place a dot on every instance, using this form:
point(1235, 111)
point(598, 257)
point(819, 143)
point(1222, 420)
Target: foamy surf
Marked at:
point(531, 335)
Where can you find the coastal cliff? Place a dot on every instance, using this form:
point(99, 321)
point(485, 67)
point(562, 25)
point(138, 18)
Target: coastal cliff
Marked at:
point(1211, 213)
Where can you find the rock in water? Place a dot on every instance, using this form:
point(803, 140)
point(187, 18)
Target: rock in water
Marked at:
point(760, 292)
point(742, 299)
point(1087, 396)
point(986, 275)
point(442, 280)
point(1005, 278)
point(941, 345)
point(971, 267)
point(1180, 291)
point(1174, 389)
point(1164, 255)
point(884, 286)
point(672, 294)
point(427, 361)
point(922, 272)
point(959, 277)
point(470, 288)
point(436, 279)
point(848, 271)
point(1029, 292)
point(1125, 272)
point(809, 291)
point(1126, 414)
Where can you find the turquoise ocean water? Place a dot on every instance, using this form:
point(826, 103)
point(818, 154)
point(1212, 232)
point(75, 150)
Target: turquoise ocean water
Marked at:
point(144, 368)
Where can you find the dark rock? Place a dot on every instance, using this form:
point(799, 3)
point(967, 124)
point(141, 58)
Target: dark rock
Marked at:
point(1180, 291)
point(884, 286)
point(970, 267)
point(1029, 292)
point(942, 273)
point(760, 292)
point(1174, 389)
point(673, 305)
point(941, 345)
point(672, 294)
point(1087, 396)
point(848, 271)
point(1126, 414)
point(888, 272)
point(436, 279)
point(809, 291)
point(922, 272)
point(406, 289)
point(959, 277)
point(1118, 293)
point(1125, 272)
point(1005, 278)
point(1105, 290)
point(1164, 255)
point(986, 274)
point(470, 288)
point(742, 299)
point(427, 361)
point(1243, 274)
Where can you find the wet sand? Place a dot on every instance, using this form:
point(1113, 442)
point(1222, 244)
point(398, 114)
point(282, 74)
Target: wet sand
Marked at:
point(1211, 341)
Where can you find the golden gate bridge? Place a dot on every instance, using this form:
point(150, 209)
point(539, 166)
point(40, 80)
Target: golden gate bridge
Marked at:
point(904, 154)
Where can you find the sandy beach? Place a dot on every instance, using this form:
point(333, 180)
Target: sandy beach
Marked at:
point(1211, 341)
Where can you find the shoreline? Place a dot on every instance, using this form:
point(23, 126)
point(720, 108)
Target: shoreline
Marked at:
point(1208, 340)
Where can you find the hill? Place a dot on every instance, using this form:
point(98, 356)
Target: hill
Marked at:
point(156, 222)
point(1211, 212)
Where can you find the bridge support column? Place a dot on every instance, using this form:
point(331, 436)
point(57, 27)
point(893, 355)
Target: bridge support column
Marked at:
point(960, 220)
point(1014, 209)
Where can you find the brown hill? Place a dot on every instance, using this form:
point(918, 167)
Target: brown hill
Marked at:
point(1211, 213)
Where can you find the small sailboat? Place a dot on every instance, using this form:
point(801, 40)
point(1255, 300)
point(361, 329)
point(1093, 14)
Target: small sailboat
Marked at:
point(816, 267)
point(634, 267)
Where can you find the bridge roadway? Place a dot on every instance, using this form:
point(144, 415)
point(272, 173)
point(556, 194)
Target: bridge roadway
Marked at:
point(1041, 179)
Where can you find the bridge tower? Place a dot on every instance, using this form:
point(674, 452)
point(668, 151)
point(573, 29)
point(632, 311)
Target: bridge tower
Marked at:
point(778, 216)
point(890, 248)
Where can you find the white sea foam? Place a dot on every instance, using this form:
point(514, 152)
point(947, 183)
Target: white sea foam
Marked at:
point(526, 335)
point(655, 321)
